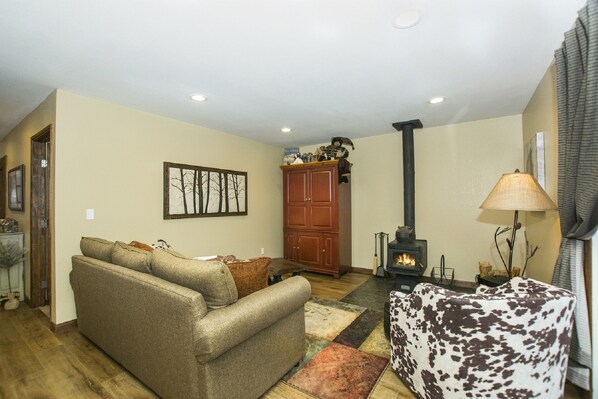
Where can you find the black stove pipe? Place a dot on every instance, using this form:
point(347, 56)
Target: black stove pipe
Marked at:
point(408, 169)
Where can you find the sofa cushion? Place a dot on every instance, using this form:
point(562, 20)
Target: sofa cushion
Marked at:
point(212, 279)
point(97, 248)
point(250, 275)
point(131, 257)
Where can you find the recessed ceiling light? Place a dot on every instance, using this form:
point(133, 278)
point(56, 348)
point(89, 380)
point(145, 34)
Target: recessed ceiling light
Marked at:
point(285, 129)
point(199, 97)
point(407, 18)
point(436, 100)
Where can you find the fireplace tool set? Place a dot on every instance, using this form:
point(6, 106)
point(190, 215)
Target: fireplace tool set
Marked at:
point(439, 274)
point(378, 269)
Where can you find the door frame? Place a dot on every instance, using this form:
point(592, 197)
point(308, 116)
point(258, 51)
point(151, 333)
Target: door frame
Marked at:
point(40, 253)
point(3, 191)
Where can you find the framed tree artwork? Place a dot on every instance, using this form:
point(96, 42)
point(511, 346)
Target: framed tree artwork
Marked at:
point(198, 191)
point(16, 183)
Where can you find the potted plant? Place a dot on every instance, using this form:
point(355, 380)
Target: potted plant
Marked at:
point(11, 253)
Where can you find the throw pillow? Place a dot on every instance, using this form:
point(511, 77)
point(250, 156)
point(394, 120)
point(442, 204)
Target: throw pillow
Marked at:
point(97, 248)
point(131, 257)
point(161, 244)
point(226, 258)
point(212, 279)
point(249, 275)
point(141, 245)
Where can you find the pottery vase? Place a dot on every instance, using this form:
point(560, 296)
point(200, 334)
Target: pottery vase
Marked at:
point(12, 303)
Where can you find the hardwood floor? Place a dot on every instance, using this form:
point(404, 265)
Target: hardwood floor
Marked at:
point(37, 363)
point(328, 287)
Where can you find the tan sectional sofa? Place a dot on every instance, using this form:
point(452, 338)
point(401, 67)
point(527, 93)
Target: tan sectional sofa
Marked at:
point(178, 326)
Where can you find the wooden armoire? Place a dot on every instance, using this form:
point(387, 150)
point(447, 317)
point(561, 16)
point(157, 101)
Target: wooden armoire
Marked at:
point(317, 217)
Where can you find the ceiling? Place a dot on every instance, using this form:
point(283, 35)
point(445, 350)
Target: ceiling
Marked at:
point(322, 67)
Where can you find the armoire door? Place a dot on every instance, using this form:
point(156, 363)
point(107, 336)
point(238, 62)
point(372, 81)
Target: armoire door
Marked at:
point(330, 252)
point(290, 245)
point(322, 208)
point(296, 192)
point(309, 249)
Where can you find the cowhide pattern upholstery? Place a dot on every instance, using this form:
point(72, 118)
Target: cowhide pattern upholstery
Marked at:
point(505, 342)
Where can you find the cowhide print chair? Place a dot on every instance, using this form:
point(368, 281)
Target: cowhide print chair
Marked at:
point(505, 342)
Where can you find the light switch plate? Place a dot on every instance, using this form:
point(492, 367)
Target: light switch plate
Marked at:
point(90, 214)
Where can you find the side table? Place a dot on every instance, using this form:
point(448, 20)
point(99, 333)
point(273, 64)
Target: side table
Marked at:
point(280, 266)
point(492, 281)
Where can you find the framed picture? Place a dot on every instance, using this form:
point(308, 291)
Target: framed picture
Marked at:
point(16, 190)
point(198, 191)
point(534, 158)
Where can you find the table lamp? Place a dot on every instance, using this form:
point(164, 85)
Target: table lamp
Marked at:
point(517, 192)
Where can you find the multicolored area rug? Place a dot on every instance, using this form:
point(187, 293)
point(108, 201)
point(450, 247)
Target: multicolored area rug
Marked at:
point(347, 351)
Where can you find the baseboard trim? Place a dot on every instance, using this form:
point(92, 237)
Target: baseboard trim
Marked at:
point(426, 279)
point(456, 283)
point(361, 270)
point(62, 327)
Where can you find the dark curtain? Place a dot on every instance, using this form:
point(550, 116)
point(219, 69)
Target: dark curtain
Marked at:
point(577, 84)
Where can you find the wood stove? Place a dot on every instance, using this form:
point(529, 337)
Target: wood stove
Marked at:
point(407, 261)
point(407, 256)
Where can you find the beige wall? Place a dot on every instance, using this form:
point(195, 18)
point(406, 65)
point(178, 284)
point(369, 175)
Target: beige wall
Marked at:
point(456, 166)
point(17, 148)
point(109, 158)
point(543, 228)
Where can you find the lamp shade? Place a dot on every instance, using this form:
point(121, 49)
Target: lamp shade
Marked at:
point(518, 192)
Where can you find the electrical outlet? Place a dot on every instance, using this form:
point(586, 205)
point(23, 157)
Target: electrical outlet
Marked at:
point(262, 251)
point(90, 214)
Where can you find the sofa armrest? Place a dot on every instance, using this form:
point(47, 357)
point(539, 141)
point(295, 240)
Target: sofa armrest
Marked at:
point(225, 328)
point(143, 322)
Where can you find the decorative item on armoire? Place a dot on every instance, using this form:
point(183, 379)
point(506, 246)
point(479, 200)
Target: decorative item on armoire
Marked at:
point(336, 150)
point(290, 154)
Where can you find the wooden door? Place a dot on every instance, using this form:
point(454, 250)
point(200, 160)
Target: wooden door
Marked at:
point(41, 240)
point(322, 199)
point(296, 191)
